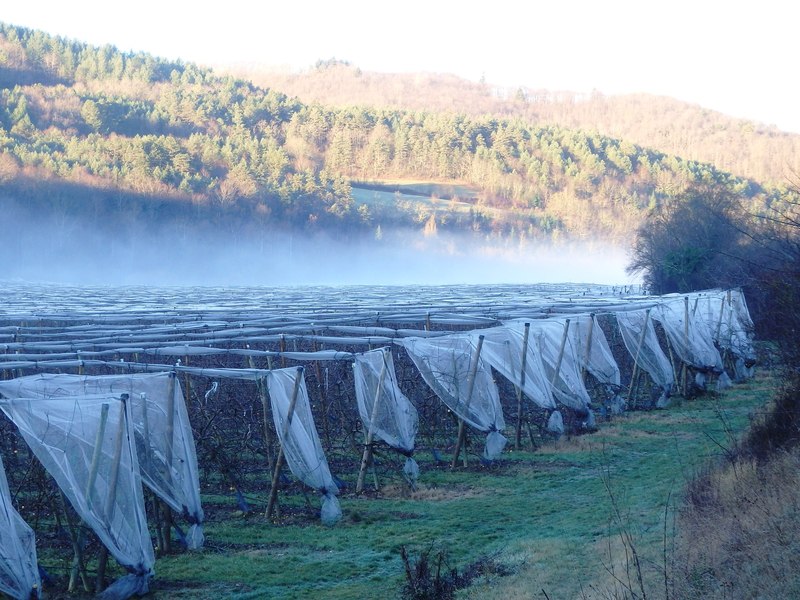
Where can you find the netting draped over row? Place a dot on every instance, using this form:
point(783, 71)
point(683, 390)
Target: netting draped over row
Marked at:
point(455, 370)
point(291, 412)
point(87, 445)
point(164, 440)
point(19, 574)
point(641, 340)
point(561, 361)
point(384, 409)
point(688, 335)
point(592, 349)
point(503, 350)
point(727, 317)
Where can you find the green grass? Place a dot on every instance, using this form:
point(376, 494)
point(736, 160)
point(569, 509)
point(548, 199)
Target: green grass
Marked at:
point(546, 515)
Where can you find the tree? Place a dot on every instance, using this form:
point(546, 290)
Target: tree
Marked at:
point(690, 242)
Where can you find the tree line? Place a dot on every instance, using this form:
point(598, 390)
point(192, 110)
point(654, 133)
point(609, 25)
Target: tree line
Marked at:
point(133, 125)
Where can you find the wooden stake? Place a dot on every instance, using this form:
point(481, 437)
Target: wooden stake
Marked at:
point(638, 351)
point(560, 353)
point(470, 387)
point(112, 490)
point(273, 493)
point(166, 526)
point(521, 386)
point(365, 459)
point(588, 354)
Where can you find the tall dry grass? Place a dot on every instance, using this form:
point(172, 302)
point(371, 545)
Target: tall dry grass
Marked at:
point(739, 532)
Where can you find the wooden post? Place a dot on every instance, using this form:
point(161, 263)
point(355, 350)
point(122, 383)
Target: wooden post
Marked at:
point(78, 570)
point(96, 454)
point(470, 387)
point(638, 351)
point(273, 493)
point(261, 385)
point(370, 433)
point(112, 489)
point(684, 368)
point(166, 526)
point(588, 354)
point(282, 348)
point(520, 387)
point(560, 353)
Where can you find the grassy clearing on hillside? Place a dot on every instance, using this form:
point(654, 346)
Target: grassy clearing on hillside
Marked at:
point(552, 519)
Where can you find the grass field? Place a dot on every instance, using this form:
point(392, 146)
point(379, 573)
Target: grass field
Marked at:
point(561, 522)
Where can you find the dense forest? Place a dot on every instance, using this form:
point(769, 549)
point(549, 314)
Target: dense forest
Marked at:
point(102, 134)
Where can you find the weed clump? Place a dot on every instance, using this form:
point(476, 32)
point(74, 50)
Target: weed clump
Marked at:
point(430, 577)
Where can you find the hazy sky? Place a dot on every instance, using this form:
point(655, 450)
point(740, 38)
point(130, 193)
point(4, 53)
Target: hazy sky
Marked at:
point(733, 56)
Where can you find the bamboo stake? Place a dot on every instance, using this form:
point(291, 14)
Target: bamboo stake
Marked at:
point(470, 387)
point(365, 459)
point(521, 386)
point(273, 493)
point(638, 352)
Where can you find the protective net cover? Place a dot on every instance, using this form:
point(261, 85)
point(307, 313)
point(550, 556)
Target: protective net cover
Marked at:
point(383, 408)
point(502, 349)
point(562, 369)
point(19, 575)
point(446, 364)
point(299, 439)
point(164, 440)
point(688, 334)
point(641, 341)
point(86, 444)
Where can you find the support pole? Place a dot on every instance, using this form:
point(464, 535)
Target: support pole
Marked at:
point(470, 387)
point(273, 492)
point(113, 481)
point(166, 525)
point(521, 386)
point(638, 352)
point(684, 368)
point(367, 456)
point(560, 353)
point(588, 354)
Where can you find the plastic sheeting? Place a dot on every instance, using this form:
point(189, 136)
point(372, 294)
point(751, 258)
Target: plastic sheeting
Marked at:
point(19, 574)
point(164, 440)
point(87, 445)
point(641, 341)
point(298, 436)
point(688, 335)
point(448, 366)
point(384, 409)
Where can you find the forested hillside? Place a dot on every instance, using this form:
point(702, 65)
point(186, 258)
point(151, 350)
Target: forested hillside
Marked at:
point(121, 137)
point(739, 146)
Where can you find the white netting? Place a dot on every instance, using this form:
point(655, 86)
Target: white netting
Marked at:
point(86, 444)
point(502, 349)
point(448, 365)
point(164, 440)
point(384, 409)
point(298, 436)
point(641, 341)
point(562, 368)
point(689, 335)
point(19, 574)
point(592, 349)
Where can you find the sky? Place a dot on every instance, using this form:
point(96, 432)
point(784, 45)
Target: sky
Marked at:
point(736, 57)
